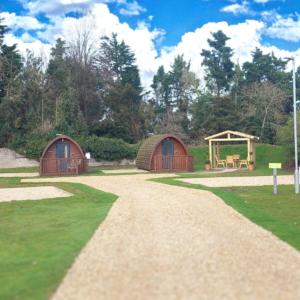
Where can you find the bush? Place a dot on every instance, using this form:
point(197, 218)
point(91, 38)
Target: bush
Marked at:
point(285, 137)
point(107, 148)
point(32, 145)
point(101, 148)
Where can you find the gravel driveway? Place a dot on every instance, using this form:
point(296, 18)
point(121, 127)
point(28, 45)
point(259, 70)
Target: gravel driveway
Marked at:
point(168, 242)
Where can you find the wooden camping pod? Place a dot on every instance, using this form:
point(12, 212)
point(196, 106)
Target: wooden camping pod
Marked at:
point(165, 152)
point(62, 156)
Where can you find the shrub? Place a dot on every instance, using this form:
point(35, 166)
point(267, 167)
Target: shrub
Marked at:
point(285, 137)
point(101, 148)
point(32, 145)
point(108, 148)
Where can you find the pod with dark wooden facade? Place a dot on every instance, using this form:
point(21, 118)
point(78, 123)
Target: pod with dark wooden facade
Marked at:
point(62, 156)
point(165, 152)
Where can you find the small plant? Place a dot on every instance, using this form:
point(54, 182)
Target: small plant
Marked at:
point(207, 164)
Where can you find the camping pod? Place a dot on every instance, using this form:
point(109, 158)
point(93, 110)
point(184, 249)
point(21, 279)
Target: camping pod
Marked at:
point(165, 152)
point(62, 156)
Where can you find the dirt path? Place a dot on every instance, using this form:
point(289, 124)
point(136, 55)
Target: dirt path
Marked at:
point(167, 242)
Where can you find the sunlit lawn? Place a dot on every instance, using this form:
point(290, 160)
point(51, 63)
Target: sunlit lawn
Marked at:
point(40, 239)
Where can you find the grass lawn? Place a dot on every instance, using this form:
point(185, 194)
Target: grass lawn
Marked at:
point(40, 239)
point(279, 214)
point(264, 154)
point(92, 171)
point(20, 170)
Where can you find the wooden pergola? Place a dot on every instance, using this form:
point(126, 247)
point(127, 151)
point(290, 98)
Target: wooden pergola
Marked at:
point(229, 136)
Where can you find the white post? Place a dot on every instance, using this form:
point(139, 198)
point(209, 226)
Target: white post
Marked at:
point(295, 129)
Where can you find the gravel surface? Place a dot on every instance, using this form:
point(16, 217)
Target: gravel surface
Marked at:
point(239, 181)
point(123, 171)
point(168, 242)
point(32, 193)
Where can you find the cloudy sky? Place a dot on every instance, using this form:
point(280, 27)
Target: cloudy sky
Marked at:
point(158, 30)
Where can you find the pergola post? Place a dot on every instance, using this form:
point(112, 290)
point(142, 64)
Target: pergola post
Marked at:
point(210, 153)
point(213, 154)
point(248, 150)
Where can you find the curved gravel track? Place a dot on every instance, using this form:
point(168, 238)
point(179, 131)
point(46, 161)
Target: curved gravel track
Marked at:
point(169, 242)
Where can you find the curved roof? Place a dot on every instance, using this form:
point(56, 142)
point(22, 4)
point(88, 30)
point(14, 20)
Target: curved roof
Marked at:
point(148, 147)
point(61, 137)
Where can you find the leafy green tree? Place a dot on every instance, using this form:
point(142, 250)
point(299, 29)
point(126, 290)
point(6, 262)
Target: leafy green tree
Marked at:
point(56, 80)
point(10, 104)
point(32, 92)
point(285, 137)
point(265, 67)
point(122, 85)
point(62, 97)
point(220, 114)
point(264, 113)
point(218, 64)
point(174, 92)
point(162, 90)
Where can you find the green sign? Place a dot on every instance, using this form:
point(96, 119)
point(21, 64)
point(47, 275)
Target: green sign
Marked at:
point(274, 165)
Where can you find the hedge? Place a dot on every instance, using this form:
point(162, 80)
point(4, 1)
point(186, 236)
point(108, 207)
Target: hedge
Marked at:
point(100, 148)
point(108, 148)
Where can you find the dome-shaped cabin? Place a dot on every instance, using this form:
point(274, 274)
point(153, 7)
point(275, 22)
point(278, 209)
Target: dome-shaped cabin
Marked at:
point(164, 152)
point(62, 156)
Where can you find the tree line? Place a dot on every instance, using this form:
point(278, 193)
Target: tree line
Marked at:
point(87, 89)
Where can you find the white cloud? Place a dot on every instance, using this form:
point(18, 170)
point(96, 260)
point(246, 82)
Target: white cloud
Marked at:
point(132, 9)
point(140, 39)
point(261, 1)
point(37, 47)
point(237, 8)
point(23, 22)
point(285, 28)
point(244, 38)
point(56, 7)
point(61, 7)
point(100, 21)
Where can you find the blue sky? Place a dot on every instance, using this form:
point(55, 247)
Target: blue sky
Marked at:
point(179, 17)
point(159, 30)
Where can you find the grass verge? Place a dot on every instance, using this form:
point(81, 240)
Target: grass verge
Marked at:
point(279, 214)
point(40, 239)
point(20, 170)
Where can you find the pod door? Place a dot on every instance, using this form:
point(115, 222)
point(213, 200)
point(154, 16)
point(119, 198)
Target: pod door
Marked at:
point(167, 154)
point(62, 156)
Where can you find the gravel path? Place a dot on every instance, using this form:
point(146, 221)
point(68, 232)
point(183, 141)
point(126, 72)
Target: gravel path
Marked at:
point(32, 193)
point(168, 242)
point(239, 181)
point(123, 171)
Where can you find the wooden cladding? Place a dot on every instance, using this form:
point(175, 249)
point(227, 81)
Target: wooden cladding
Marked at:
point(63, 166)
point(173, 163)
